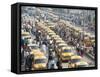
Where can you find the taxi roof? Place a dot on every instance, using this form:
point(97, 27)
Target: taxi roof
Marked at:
point(52, 33)
point(40, 57)
point(25, 33)
point(62, 44)
point(57, 38)
point(67, 47)
point(60, 41)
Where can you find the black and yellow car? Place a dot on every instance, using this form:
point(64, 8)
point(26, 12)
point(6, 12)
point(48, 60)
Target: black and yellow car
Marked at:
point(39, 61)
point(25, 33)
point(57, 38)
point(60, 45)
point(59, 41)
point(65, 54)
point(76, 61)
point(51, 33)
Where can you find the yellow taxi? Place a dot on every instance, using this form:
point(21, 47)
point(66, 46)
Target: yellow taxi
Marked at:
point(92, 41)
point(25, 33)
point(51, 33)
point(76, 61)
point(28, 36)
point(65, 54)
point(88, 41)
point(55, 36)
point(59, 46)
point(92, 38)
point(78, 29)
point(48, 30)
point(51, 25)
point(59, 41)
point(62, 44)
point(39, 61)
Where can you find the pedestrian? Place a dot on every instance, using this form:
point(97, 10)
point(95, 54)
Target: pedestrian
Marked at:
point(26, 53)
point(26, 41)
point(44, 49)
point(33, 30)
point(52, 64)
point(78, 49)
point(52, 61)
point(22, 56)
point(22, 42)
point(59, 65)
point(29, 62)
point(82, 51)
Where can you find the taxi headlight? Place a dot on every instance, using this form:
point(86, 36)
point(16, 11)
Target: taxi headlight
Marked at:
point(43, 65)
point(36, 66)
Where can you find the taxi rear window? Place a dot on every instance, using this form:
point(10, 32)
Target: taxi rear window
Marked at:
point(66, 50)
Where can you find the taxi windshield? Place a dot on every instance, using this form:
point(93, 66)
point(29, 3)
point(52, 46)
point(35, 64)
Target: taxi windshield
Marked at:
point(75, 60)
point(40, 61)
point(67, 50)
point(34, 47)
point(82, 65)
